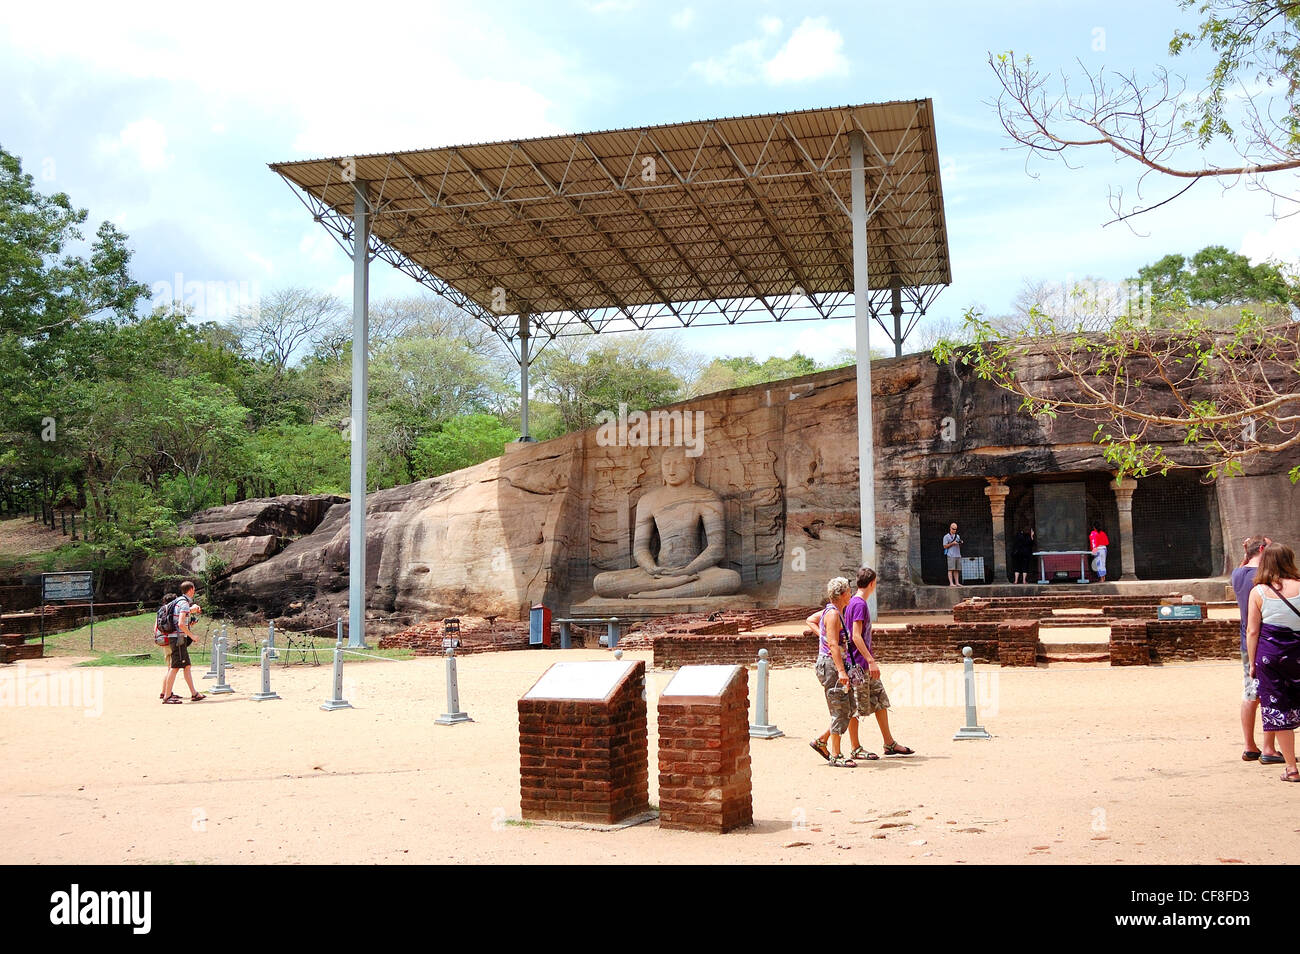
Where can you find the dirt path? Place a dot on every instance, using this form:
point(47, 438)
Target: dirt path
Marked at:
point(1089, 764)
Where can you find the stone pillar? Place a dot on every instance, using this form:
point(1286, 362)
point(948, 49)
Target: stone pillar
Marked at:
point(1124, 501)
point(997, 491)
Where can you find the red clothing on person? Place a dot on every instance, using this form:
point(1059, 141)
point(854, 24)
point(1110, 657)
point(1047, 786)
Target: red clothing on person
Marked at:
point(1097, 539)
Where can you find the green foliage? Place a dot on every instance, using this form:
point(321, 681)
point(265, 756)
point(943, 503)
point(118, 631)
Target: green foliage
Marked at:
point(461, 442)
point(722, 374)
point(1216, 276)
point(582, 384)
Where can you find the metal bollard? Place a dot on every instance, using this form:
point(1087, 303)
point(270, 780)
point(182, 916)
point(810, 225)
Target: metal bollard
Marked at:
point(612, 632)
point(212, 653)
point(618, 654)
point(972, 729)
point(221, 687)
point(566, 635)
point(761, 728)
point(453, 713)
point(266, 694)
point(270, 638)
point(338, 702)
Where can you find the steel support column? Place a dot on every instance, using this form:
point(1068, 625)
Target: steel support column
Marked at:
point(525, 358)
point(360, 396)
point(862, 328)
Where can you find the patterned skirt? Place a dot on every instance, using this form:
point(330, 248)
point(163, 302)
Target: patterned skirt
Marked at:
point(1277, 665)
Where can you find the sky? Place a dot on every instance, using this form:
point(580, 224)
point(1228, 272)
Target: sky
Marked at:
point(163, 117)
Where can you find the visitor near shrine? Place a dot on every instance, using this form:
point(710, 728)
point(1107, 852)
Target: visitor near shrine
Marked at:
point(1243, 581)
point(1273, 644)
point(1097, 543)
point(952, 550)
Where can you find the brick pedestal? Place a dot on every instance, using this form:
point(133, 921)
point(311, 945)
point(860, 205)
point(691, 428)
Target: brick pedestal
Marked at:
point(705, 783)
point(1018, 642)
point(583, 749)
point(1128, 643)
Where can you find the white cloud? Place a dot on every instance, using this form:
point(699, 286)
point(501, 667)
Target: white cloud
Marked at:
point(682, 18)
point(1280, 242)
point(813, 51)
point(611, 6)
point(142, 143)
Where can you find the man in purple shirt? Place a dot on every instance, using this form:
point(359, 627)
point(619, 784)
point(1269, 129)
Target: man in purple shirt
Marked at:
point(864, 672)
point(1243, 581)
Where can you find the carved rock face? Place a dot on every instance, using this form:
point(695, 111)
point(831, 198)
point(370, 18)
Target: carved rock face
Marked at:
point(539, 523)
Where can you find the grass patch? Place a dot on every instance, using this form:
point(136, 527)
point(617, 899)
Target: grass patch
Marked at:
point(134, 634)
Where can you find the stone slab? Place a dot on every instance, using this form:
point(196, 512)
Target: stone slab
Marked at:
point(580, 680)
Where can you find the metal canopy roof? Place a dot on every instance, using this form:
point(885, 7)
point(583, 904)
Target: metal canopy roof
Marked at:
point(702, 223)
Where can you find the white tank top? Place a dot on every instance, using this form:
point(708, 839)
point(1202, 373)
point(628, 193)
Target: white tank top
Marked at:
point(1275, 612)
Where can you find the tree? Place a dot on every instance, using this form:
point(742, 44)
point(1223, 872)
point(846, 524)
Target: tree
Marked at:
point(1244, 125)
point(582, 376)
point(287, 323)
point(739, 372)
point(1214, 277)
point(1162, 394)
point(461, 442)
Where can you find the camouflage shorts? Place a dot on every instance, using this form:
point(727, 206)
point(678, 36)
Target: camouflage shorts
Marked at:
point(838, 699)
point(869, 697)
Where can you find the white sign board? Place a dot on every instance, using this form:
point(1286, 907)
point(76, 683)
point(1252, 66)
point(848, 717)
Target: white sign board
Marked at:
point(77, 585)
point(580, 680)
point(700, 681)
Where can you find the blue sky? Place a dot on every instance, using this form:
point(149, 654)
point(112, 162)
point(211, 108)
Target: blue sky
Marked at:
point(163, 117)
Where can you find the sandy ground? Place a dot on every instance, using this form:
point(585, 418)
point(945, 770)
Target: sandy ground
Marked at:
point(1089, 764)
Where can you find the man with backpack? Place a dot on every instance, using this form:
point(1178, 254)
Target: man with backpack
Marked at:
point(174, 624)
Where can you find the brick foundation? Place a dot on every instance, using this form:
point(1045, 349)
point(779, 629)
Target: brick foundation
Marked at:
point(705, 781)
point(1128, 643)
point(586, 759)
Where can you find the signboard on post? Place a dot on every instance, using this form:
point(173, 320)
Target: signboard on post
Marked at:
point(77, 585)
point(72, 585)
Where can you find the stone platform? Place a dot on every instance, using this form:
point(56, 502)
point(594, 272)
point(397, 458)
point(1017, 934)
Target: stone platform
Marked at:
point(945, 597)
point(599, 606)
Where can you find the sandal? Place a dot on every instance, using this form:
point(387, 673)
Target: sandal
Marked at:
point(1271, 760)
point(1292, 776)
point(861, 753)
point(895, 748)
point(172, 701)
point(1249, 756)
point(839, 761)
point(819, 747)
point(197, 697)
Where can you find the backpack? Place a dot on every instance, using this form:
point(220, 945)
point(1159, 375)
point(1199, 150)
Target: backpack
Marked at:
point(167, 617)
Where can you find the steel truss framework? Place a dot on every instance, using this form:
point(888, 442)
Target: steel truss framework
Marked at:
point(722, 222)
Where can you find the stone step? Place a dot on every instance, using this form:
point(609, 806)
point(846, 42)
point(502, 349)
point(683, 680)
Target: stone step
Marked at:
point(1056, 657)
point(10, 654)
point(1087, 647)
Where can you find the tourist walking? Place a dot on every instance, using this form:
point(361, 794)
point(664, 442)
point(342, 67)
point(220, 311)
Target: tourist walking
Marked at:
point(1097, 543)
point(1273, 645)
point(164, 640)
point(869, 697)
point(1243, 581)
point(832, 673)
point(183, 610)
point(952, 551)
